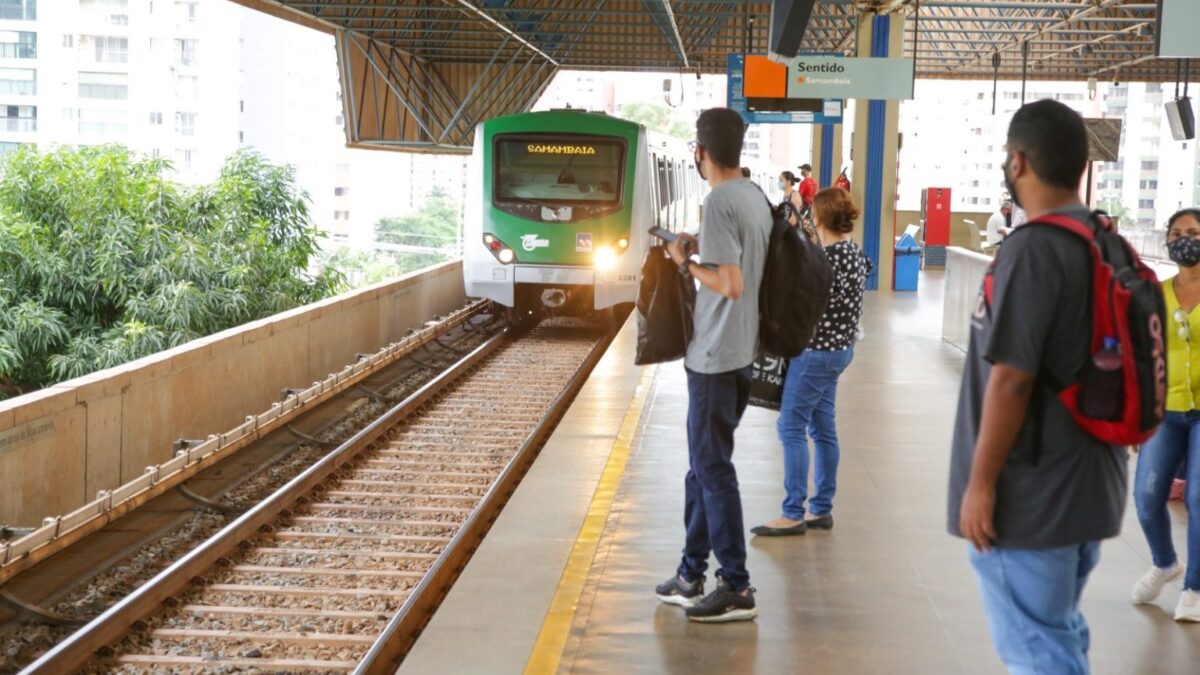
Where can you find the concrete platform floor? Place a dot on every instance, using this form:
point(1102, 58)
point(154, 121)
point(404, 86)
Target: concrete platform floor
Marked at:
point(887, 591)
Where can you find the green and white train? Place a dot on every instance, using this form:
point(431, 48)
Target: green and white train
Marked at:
point(560, 204)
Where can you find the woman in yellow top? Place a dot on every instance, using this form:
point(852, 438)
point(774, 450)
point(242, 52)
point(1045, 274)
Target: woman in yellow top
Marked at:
point(1178, 439)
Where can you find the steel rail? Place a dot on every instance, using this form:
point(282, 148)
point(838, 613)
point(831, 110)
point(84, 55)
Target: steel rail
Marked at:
point(405, 626)
point(10, 567)
point(74, 653)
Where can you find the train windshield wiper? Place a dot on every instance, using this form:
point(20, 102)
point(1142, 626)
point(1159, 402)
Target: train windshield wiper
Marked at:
point(530, 200)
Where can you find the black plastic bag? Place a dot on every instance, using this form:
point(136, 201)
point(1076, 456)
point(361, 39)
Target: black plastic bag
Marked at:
point(666, 300)
point(766, 385)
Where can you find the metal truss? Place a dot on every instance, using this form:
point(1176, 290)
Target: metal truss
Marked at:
point(418, 74)
point(393, 100)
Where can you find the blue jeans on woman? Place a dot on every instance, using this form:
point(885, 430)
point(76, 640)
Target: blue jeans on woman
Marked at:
point(1177, 440)
point(809, 395)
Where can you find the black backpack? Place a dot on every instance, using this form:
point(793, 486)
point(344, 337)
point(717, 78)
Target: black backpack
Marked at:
point(796, 283)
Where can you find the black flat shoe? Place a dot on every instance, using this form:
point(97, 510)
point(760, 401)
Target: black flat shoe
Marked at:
point(764, 531)
point(822, 523)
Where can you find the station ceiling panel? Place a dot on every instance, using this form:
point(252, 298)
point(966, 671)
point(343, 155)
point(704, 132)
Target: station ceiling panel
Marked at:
point(423, 71)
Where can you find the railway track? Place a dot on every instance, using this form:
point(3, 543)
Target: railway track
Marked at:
point(62, 582)
point(340, 569)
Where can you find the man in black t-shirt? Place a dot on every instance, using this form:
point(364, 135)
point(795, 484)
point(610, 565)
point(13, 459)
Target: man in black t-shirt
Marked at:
point(1031, 490)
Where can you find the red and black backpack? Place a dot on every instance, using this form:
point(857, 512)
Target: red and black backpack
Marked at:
point(1119, 396)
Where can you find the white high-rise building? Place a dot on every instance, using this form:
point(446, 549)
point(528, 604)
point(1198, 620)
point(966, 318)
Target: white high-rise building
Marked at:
point(1156, 174)
point(192, 81)
point(150, 74)
point(951, 138)
point(288, 108)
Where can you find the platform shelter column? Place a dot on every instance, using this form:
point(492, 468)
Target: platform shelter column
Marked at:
point(875, 151)
point(827, 153)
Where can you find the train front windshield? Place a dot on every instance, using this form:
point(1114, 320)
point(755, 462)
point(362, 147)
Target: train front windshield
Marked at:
point(559, 170)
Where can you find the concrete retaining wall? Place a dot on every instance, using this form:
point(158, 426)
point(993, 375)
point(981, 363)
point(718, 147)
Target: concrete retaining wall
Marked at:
point(61, 445)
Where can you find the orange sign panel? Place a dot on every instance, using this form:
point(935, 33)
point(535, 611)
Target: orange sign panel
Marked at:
point(764, 78)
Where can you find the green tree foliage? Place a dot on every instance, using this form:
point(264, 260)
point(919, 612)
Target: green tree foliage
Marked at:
point(362, 268)
point(1115, 207)
point(657, 117)
point(405, 244)
point(423, 238)
point(104, 260)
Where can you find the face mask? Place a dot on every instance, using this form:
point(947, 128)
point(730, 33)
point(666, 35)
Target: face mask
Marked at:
point(1009, 184)
point(699, 168)
point(783, 185)
point(1185, 251)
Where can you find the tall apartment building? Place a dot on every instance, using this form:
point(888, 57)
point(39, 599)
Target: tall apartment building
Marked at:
point(137, 72)
point(288, 109)
point(1157, 174)
point(951, 138)
point(192, 81)
point(583, 90)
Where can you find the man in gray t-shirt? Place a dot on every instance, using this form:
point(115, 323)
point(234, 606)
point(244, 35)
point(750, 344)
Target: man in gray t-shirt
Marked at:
point(735, 230)
point(732, 248)
point(1032, 491)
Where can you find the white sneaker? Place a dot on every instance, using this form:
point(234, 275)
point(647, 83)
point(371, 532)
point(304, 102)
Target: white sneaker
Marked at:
point(1151, 584)
point(1188, 608)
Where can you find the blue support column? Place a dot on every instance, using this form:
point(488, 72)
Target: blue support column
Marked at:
point(873, 190)
point(826, 163)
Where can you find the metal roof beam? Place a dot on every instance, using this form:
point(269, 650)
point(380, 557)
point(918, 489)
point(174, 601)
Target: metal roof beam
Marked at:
point(1073, 17)
point(660, 10)
point(487, 18)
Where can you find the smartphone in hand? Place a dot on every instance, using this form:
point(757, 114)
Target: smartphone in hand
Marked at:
point(664, 234)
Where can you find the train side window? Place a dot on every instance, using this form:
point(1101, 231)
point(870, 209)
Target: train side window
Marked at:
point(664, 197)
point(675, 196)
point(654, 186)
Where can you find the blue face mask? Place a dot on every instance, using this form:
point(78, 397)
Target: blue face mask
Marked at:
point(1185, 251)
point(783, 185)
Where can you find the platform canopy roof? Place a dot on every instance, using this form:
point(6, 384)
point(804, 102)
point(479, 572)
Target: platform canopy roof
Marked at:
point(1068, 39)
point(463, 50)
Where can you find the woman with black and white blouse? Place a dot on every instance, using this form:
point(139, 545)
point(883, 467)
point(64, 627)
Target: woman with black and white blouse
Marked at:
point(810, 390)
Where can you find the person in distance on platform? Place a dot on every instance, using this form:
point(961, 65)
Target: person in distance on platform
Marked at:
point(1177, 441)
point(792, 204)
point(1033, 492)
point(810, 390)
point(999, 224)
point(808, 185)
point(1018, 218)
point(732, 247)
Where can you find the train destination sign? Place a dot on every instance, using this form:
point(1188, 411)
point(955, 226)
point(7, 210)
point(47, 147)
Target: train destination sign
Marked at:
point(850, 77)
point(560, 149)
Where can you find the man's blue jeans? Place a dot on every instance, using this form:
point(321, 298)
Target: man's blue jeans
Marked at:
point(1177, 440)
point(713, 507)
point(809, 397)
point(1031, 599)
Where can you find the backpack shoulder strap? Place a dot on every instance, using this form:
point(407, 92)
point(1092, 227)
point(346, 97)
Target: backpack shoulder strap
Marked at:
point(770, 206)
point(1079, 229)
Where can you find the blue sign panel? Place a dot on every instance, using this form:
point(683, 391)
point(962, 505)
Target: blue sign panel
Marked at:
point(736, 100)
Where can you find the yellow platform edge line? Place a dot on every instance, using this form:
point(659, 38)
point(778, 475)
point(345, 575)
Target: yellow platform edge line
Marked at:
point(556, 628)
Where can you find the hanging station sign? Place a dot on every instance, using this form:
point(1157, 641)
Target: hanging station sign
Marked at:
point(757, 88)
point(847, 77)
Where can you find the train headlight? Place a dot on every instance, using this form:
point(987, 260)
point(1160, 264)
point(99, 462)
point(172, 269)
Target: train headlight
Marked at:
point(605, 259)
point(622, 243)
point(506, 255)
